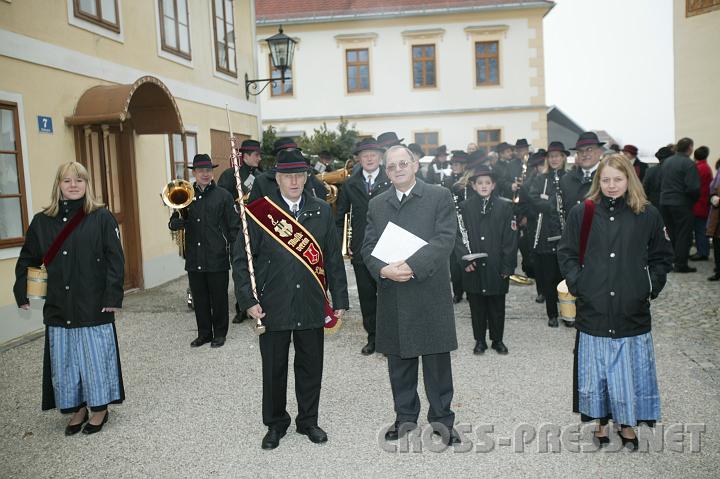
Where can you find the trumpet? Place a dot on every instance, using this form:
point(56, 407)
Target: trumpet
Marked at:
point(178, 194)
point(347, 234)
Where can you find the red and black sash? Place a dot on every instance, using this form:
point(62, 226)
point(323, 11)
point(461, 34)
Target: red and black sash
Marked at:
point(286, 230)
point(60, 239)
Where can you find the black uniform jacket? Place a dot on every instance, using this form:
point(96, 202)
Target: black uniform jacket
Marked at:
point(211, 226)
point(680, 184)
point(227, 179)
point(652, 183)
point(491, 229)
point(552, 219)
point(524, 208)
point(354, 193)
point(574, 188)
point(289, 294)
point(86, 275)
point(266, 185)
point(640, 168)
point(627, 259)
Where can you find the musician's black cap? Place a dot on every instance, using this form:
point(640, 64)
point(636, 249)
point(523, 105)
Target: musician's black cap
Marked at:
point(285, 143)
point(440, 151)
point(537, 158)
point(417, 149)
point(459, 156)
point(502, 147)
point(290, 161)
point(482, 170)
point(588, 138)
point(522, 143)
point(388, 139)
point(248, 146)
point(368, 143)
point(558, 146)
point(202, 160)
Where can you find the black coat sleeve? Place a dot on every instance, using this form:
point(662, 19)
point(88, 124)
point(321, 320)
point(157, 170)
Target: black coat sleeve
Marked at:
point(509, 244)
point(568, 251)
point(240, 270)
point(372, 236)
point(231, 220)
point(342, 207)
point(692, 183)
point(114, 261)
point(30, 255)
point(660, 253)
point(335, 266)
point(538, 187)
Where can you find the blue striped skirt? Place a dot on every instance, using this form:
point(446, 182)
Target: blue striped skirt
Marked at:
point(84, 366)
point(617, 378)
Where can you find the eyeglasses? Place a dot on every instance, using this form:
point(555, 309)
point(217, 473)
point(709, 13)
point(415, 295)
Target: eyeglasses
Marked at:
point(402, 164)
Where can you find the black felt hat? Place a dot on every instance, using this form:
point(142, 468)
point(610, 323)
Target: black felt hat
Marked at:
point(368, 143)
point(290, 161)
point(202, 160)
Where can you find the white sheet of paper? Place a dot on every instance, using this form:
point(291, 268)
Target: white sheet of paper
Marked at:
point(396, 244)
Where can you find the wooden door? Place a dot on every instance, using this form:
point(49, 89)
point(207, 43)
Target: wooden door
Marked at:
point(108, 154)
point(220, 148)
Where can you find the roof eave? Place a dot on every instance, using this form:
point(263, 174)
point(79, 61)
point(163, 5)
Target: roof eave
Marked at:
point(402, 13)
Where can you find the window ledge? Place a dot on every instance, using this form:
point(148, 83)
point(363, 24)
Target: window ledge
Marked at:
point(486, 29)
point(423, 33)
point(356, 37)
point(10, 253)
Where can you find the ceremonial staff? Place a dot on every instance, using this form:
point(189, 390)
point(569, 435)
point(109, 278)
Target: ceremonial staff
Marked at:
point(235, 160)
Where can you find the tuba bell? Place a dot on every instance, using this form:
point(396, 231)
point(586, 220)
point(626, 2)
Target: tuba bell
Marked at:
point(178, 194)
point(334, 178)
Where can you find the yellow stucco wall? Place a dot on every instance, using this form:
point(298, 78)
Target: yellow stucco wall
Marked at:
point(697, 70)
point(54, 92)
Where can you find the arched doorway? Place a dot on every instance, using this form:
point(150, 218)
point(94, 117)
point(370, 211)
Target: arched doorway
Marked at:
point(105, 120)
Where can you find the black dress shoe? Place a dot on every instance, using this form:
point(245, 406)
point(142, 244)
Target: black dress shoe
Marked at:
point(601, 441)
point(272, 438)
point(368, 349)
point(92, 428)
point(240, 317)
point(715, 277)
point(568, 324)
point(72, 429)
point(457, 299)
point(452, 439)
point(314, 433)
point(217, 342)
point(397, 431)
point(480, 347)
point(553, 322)
point(684, 269)
point(499, 347)
point(697, 257)
point(540, 298)
point(199, 342)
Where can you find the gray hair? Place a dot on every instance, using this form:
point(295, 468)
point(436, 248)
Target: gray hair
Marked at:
point(395, 148)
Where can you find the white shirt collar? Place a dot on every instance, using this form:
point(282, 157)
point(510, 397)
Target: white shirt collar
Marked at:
point(406, 193)
point(290, 203)
point(591, 170)
point(373, 173)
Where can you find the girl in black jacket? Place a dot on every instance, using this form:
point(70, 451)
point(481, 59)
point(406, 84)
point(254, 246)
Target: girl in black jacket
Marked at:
point(627, 257)
point(81, 366)
point(546, 197)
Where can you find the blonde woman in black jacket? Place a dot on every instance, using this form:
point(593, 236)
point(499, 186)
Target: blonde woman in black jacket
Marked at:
point(81, 367)
point(625, 264)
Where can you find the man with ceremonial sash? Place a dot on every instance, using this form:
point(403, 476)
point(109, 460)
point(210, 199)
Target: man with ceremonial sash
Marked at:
point(296, 256)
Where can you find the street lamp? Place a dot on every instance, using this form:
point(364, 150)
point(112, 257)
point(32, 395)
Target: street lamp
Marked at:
point(282, 48)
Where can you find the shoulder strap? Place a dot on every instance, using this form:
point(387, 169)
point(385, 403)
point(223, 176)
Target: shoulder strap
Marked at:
point(585, 229)
point(55, 246)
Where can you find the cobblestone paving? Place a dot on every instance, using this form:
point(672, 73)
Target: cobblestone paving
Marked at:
point(196, 412)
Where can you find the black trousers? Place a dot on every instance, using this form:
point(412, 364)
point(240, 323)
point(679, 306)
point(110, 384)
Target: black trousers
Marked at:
point(308, 367)
point(210, 297)
point(548, 277)
point(456, 270)
point(487, 311)
point(679, 221)
point(528, 258)
point(716, 253)
point(367, 291)
point(437, 375)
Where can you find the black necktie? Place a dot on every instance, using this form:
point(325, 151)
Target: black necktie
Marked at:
point(294, 210)
point(369, 183)
point(403, 198)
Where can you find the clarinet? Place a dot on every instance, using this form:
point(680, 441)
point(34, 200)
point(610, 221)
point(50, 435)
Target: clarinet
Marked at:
point(540, 219)
point(463, 233)
point(559, 203)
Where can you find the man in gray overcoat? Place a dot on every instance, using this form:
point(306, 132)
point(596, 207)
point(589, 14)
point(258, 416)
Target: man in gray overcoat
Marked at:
point(414, 311)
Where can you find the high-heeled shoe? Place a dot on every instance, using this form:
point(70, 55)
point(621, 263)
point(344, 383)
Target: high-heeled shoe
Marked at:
point(92, 428)
point(72, 429)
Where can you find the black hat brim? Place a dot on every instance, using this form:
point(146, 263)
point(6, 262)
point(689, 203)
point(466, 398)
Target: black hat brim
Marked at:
point(194, 167)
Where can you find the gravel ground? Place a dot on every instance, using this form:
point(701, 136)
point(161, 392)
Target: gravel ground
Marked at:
point(196, 412)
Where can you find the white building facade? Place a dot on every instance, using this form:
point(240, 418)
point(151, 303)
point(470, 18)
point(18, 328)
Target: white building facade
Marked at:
point(435, 76)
